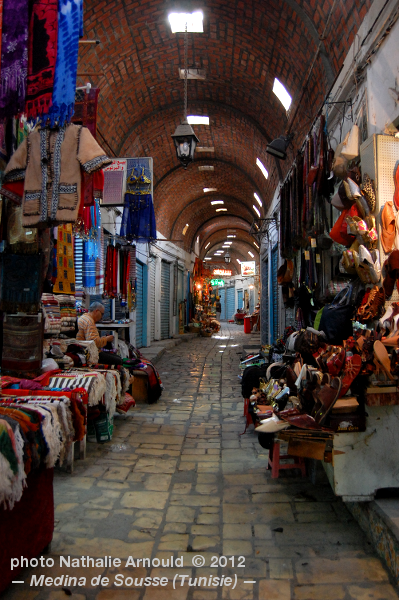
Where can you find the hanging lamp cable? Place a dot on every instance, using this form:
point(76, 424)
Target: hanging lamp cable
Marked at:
point(185, 71)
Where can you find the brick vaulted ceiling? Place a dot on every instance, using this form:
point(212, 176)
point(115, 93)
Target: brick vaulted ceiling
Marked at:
point(245, 45)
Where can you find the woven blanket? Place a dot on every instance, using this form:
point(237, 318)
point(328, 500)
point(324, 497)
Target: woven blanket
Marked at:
point(93, 382)
point(12, 474)
point(42, 55)
point(14, 57)
point(65, 282)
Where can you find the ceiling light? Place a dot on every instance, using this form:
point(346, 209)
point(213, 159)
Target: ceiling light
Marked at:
point(185, 229)
point(256, 210)
point(205, 148)
point(206, 168)
point(261, 167)
point(238, 260)
point(190, 22)
point(250, 254)
point(258, 200)
point(278, 147)
point(228, 243)
point(206, 190)
point(226, 247)
point(221, 210)
point(208, 244)
point(255, 244)
point(208, 258)
point(217, 202)
point(197, 120)
point(231, 236)
point(197, 239)
point(282, 94)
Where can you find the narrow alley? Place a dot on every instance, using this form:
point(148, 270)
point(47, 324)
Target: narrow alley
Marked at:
point(178, 480)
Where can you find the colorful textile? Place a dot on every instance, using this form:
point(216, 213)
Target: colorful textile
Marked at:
point(14, 57)
point(65, 282)
point(93, 261)
point(70, 28)
point(93, 382)
point(20, 282)
point(138, 221)
point(22, 346)
point(111, 272)
point(42, 55)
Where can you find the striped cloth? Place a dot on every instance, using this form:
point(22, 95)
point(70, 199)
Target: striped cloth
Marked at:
point(93, 382)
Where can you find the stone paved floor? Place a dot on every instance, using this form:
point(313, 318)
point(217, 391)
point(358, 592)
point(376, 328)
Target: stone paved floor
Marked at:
point(189, 485)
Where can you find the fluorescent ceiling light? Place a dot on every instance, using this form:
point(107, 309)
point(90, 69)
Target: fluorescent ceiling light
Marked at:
point(250, 254)
point(238, 260)
point(228, 243)
point(282, 94)
point(206, 168)
point(217, 202)
point(225, 246)
point(231, 236)
point(255, 244)
point(208, 244)
point(185, 229)
point(198, 120)
point(206, 190)
point(205, 149)
point(222, 210)
point(256, 210)
point(258, 200)
point(197, 239)
point(261, 167)
point(208, 258)
point(194, 22)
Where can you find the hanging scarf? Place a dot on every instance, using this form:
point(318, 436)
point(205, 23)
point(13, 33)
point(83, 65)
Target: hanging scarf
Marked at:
point(65, 283)
point(42, 54)
point(70, 28)
point(14, 57)
point(93, 261)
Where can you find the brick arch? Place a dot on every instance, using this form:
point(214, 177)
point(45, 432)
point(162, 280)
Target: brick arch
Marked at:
point(213, 225)
point(220, 236)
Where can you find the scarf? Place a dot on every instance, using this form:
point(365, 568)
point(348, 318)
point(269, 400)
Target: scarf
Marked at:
point(70, 28)
point(65, 282)
point(14, 57)
point(42, 54)
point(93, 258)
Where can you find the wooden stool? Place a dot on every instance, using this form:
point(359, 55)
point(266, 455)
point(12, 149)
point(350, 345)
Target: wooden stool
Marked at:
point(275, 465)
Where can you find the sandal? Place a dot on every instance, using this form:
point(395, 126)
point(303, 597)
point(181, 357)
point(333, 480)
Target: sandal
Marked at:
point(353, 365)
point(375, 302)
point(336, 361)
point(382, 358)
point(327, 396)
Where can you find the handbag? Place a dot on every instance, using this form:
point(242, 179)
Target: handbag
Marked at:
point(351, 145)
point(336, 320)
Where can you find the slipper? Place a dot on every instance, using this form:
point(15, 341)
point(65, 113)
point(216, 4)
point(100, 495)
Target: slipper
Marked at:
point(304, 421)
point(352, 368)
point(327, 396)
point(382, 357)
point(272, 425)
point(336, 361)
point(387, 227)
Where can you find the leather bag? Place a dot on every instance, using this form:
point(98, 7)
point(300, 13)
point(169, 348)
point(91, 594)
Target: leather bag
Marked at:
point(336, 319)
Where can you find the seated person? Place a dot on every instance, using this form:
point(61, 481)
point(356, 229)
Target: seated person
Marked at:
point(89, 332)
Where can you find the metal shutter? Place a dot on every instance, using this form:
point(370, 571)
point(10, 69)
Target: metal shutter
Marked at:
point(139, 305)
point(240, 298)
point(152, 300)
point(274, 294)
point(165, 299)
point(230, 303)
point(180, 286)
point(251, 301)
point(265, 303)
point(222, 295)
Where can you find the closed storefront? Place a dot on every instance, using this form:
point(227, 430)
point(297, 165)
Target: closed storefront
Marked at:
point(140, 303)
point(251, 301)
point(230, 303)
point(165, 299)
point(152, 300)
point(240, 298)
point(222, 295)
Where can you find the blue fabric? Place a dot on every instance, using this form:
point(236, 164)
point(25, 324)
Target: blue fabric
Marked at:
point(92, 248)
point(70, 28)
point(138, 221)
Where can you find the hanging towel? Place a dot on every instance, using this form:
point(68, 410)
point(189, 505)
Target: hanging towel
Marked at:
point(42, 55)
point(14, 57)
point(70, 28)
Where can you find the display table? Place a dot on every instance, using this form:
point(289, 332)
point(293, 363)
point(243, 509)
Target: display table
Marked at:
point(368, 461)
point(27, 529)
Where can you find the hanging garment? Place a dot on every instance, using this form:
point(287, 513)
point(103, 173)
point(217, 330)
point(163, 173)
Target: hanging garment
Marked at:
point(1, 25)
point(70, 28)
point(22, 346)
point(65, 282)
point(20, 239)
point(52, 172)
point(21, 282)
point(138, 221)
point(111, 272)
point(42, 55)
point(14, 57)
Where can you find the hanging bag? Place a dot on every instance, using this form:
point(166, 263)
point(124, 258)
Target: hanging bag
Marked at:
point(336, 320)
point(351, 146)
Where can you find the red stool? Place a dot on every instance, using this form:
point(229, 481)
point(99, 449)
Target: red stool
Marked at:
point(247, 414)
point(275, 465)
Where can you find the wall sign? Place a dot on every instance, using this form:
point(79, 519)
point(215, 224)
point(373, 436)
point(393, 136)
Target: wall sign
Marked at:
point(217, 282)
point(248, 268)
point(222, 272)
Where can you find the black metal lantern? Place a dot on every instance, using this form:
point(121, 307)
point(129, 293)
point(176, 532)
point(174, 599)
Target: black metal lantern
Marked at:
point(227, 258)
point(185, 142)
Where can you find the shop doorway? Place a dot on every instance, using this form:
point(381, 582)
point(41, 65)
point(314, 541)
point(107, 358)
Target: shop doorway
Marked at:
point(222, 295)
point(141, 306)
point(230, 303)
point(240, 298)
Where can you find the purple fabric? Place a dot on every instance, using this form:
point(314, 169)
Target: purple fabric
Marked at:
point(14, 57)
point(29, 384)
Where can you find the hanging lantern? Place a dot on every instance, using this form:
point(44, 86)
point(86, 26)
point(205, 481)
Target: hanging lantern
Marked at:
point(185, 142)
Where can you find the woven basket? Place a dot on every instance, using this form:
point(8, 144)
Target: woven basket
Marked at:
point(206, 333)
point(194, 329)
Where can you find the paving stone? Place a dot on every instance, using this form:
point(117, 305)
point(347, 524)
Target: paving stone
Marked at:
point(271, 589)
point(144, 500)
point(180, 514)
point(320, 592)
point(350, 570)
point(378, 592)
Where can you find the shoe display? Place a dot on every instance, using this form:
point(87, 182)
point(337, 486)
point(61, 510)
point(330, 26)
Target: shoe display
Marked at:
point(353, 365)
